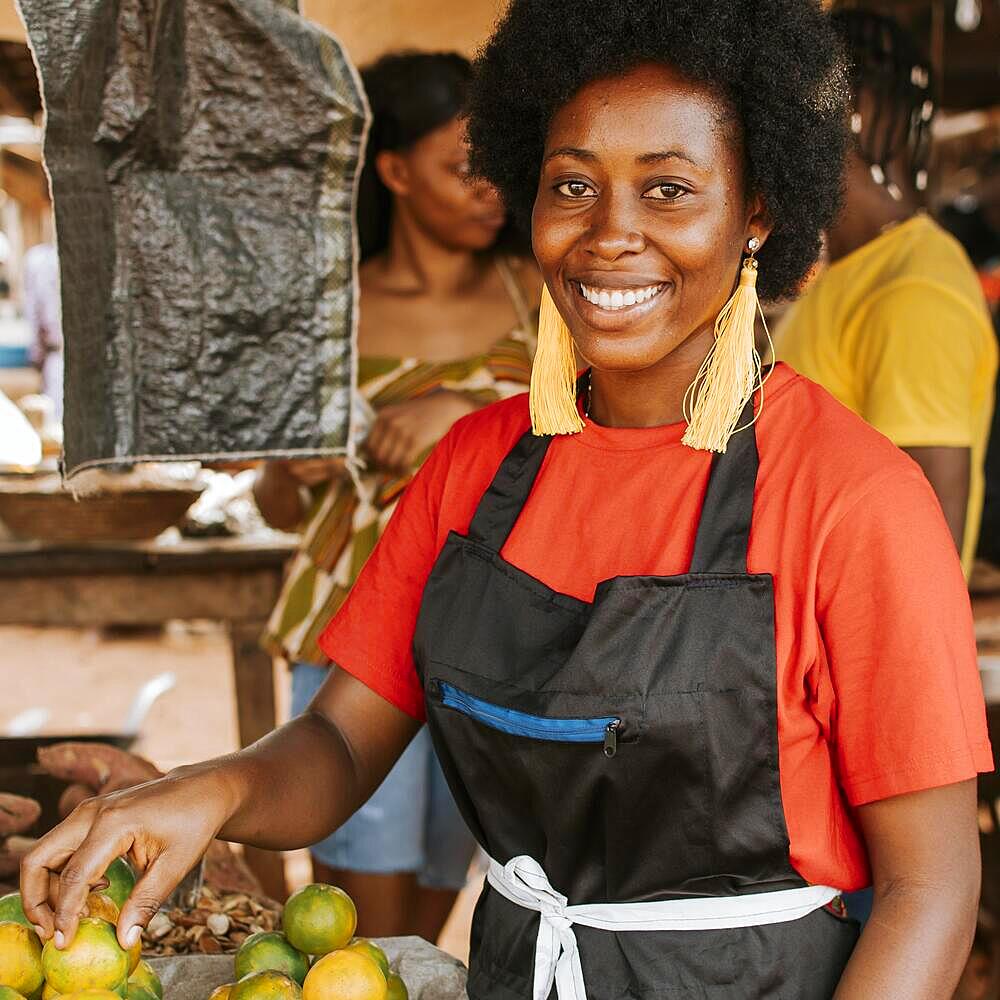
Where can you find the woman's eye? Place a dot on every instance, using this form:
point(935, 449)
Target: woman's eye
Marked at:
point(665, 192)
point(575, 189)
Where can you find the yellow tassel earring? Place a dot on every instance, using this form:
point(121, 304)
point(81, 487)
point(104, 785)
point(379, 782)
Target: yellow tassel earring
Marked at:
point(552, 399)
point(732, 372)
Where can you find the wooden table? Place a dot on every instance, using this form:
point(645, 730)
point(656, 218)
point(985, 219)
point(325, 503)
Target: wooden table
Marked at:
point(235, 581)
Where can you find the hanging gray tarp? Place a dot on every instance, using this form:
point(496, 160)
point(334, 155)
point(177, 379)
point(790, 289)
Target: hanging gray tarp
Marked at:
point(202, 156)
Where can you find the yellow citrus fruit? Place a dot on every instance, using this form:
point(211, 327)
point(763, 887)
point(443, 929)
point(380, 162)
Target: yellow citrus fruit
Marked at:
point(319, 918)
point(50, 993)
point(135, 956)
point(368, 947)
point(121, 881)
point(91, 995)
point(11, 909)
point(221, 992)
point(144, 976)
point(267, 985)
point(92, 960)
point(101, 905)
point(20, 958)
point(397, 988)
point(270, 950)
point(346, 975)
point(6, 993)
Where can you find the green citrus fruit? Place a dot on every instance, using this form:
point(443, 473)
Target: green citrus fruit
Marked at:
point(319, 919)
point(271, 950)
point(145, 977)
point(11, 909)
point(6, 993)
point(346, 975)
point(20, 958)
point(121, 881)
point(221, 992)
point(397, 988)
point(138, 993)
point(368, 947)
point(92, 960)
point(267, 985)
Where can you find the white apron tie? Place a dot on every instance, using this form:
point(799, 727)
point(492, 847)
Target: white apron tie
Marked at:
point(557, 958)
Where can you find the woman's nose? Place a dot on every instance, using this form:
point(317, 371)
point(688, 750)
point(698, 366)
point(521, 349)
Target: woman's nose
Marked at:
point(613, 232)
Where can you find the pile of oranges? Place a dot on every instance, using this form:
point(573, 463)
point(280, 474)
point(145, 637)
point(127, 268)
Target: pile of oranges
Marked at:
point(315, 956)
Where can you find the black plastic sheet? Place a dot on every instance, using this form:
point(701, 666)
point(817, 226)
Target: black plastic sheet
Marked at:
point(202, 156)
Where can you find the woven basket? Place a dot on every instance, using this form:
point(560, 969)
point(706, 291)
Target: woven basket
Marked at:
point(58, 517)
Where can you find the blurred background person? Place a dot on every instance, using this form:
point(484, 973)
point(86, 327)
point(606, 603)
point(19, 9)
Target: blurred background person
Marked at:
point(896, 327)
point(445, 328)
point(42, 310)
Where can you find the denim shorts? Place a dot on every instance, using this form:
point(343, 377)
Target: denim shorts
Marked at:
point(410, 824)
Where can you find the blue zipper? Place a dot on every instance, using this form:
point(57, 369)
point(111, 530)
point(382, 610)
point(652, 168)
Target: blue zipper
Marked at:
point(538, 727)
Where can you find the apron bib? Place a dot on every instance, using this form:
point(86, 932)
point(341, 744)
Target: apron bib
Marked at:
point(623, 751)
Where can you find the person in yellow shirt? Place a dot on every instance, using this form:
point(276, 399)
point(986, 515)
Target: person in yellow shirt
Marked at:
point(897, 327)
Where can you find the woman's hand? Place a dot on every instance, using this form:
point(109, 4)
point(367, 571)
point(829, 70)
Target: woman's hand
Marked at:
point(403, 432)
point(277, 488)
point(339, 752)
point(163, 826)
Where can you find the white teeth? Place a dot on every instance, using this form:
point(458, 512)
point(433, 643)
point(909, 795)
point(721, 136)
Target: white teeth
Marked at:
point(617, 299)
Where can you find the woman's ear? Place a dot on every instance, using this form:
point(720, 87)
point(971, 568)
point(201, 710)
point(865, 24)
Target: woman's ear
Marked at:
point(759, 223)
point(393, 172)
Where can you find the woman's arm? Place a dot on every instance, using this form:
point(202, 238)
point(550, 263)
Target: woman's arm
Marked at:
point(288, 790)
point(278, 488)
point(924, 850)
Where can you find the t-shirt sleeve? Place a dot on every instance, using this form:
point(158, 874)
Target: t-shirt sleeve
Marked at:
point(371, 636)
point(897, 629)
point(918, 350)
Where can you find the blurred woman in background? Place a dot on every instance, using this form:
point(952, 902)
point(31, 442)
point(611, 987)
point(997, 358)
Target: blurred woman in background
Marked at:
point(445, 328)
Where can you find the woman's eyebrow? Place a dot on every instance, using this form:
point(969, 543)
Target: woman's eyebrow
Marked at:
point(667, 154)
point(575, 152)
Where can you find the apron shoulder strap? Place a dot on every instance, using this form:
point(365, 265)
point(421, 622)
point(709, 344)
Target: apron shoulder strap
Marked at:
point(501, 504)
point(724, 529)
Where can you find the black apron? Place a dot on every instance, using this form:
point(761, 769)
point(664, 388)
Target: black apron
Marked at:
point(629, 746)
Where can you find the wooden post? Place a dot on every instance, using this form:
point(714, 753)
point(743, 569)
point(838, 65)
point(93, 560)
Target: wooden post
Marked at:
point(253, 670)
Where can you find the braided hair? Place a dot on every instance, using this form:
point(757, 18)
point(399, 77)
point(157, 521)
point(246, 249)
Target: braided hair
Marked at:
point(886, 64)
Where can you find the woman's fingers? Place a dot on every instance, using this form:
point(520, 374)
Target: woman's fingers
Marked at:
point(46, 858)
point(105, 841)
point(163, 874)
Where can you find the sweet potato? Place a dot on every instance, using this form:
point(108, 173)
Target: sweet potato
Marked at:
point(17, 813)
point(99, 766)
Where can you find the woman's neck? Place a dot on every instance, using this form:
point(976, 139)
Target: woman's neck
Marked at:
point(652, 397)
point(415, 263)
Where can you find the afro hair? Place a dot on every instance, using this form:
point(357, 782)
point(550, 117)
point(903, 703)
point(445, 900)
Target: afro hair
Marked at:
point(777, 63)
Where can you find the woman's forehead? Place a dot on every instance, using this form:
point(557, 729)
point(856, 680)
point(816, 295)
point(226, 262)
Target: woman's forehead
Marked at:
point(643, 112)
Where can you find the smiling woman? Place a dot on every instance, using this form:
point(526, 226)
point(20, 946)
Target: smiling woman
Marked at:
point(683, 700)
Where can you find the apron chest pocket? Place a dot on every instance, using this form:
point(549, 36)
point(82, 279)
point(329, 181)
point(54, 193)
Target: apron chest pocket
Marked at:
point(604, 730)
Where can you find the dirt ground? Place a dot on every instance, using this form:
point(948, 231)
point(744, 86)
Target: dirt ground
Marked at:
point(87, 679)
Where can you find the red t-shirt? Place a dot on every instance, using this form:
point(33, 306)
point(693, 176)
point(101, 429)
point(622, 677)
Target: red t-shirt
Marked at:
point(878, 686)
